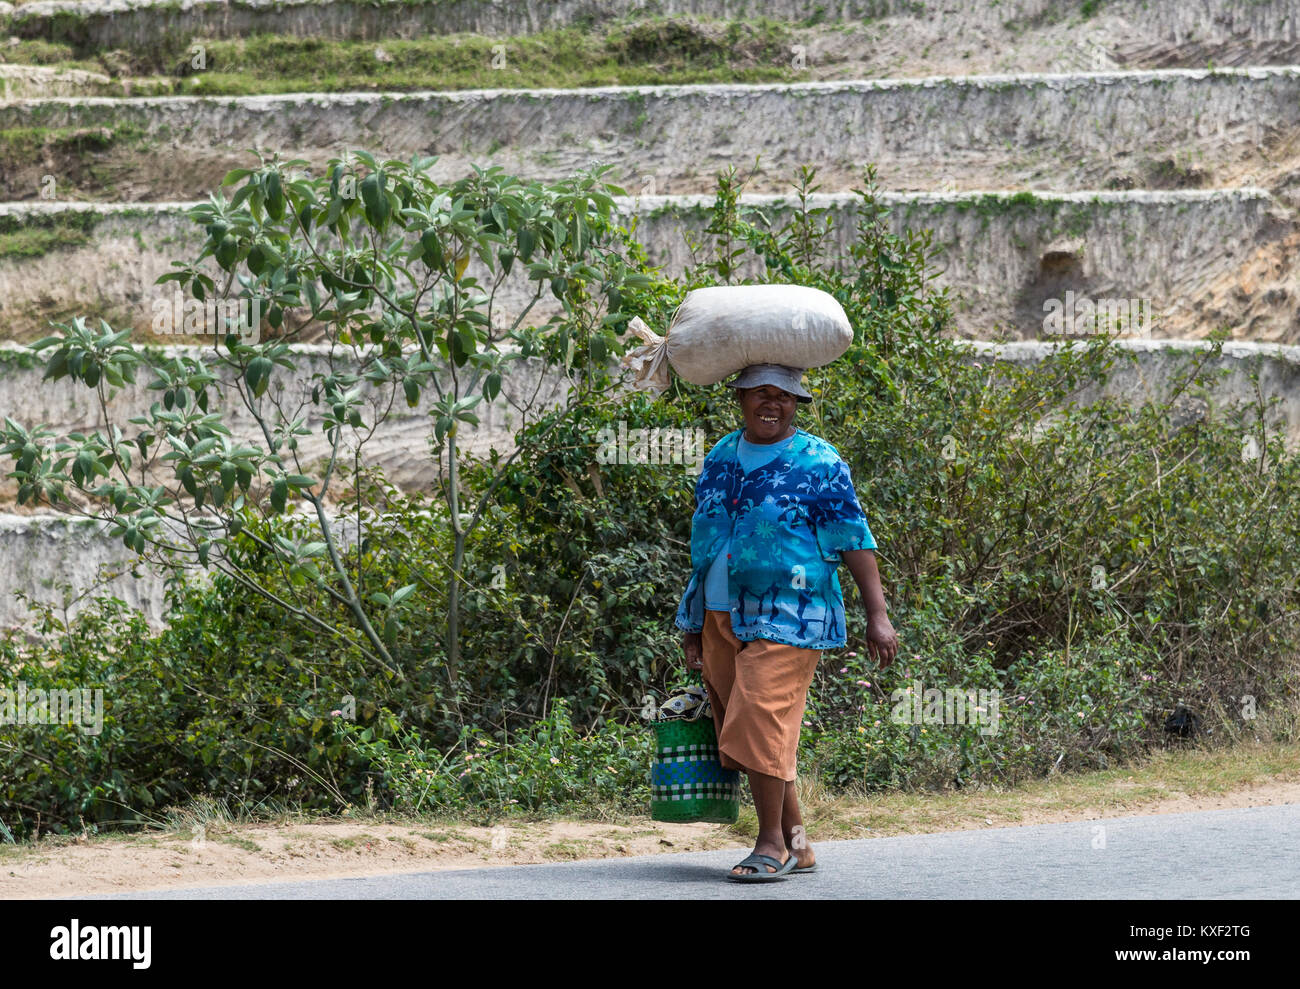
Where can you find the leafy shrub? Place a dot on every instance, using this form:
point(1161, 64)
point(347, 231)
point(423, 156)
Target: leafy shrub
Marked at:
point(547, 766)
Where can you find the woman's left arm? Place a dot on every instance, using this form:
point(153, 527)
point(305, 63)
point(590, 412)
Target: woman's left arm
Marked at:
point(882, 640)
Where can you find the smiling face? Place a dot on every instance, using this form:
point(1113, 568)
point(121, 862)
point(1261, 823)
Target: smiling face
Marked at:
point(769, 413)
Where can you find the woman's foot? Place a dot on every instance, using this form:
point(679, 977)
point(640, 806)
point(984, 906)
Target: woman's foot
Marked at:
point(763, 848)
point(797, 842)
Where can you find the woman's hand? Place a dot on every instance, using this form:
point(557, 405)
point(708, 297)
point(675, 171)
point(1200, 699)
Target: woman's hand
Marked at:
point(693, 644)
point(882, 640)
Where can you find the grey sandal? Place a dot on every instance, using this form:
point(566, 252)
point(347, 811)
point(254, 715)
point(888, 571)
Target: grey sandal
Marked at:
point(759, 862)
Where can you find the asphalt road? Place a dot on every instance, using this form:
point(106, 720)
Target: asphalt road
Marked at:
point(1222, 854)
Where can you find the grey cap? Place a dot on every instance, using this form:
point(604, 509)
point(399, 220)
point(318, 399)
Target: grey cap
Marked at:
point(785, 378)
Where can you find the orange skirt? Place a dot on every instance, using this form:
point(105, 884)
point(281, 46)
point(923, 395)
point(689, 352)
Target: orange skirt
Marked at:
point(758, 691)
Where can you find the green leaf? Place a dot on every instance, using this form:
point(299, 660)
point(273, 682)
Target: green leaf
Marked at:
point(279, 494)
point(227, 252)
point(468, 339)
point(527, 241)
point(274, 197)
point(258, 375)
point(375, 200)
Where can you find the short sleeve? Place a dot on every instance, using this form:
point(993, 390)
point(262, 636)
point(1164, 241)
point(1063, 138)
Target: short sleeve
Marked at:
point(840, 523)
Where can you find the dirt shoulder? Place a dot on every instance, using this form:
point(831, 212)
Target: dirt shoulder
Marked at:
point(215, 852)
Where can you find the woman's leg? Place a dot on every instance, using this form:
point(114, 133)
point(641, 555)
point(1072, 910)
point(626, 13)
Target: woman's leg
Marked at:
point(796, 839)
point(771, 689)
point(769, 801)
point(788, 822)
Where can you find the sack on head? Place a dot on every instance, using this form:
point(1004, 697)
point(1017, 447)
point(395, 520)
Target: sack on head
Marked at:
point(722, 329)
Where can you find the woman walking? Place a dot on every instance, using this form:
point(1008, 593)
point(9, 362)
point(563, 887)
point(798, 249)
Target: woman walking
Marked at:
point(775, 515)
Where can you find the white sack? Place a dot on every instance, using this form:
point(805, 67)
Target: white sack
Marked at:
point(722, 329)
point(649, 363)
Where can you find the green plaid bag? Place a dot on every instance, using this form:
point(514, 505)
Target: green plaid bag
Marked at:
point(687, 781)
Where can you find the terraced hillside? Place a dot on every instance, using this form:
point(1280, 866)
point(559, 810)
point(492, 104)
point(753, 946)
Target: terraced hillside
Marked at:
point(1145, 150)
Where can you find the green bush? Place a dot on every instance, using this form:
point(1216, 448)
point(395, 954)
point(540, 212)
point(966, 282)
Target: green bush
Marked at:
point(218, 704)
point(546, 766)
point(1043, 713)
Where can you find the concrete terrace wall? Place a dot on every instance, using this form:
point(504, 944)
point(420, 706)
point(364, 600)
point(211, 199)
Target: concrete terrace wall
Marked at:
point(66, 562)
point(1058, 131)
point(130, 23)
point(38, 81)
point(1151, 368)
point(1002, 256)
point(39, 552)
point(111, 276)
point(136, 23)
point(400, 446)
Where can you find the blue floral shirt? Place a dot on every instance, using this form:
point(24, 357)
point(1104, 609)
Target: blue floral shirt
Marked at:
point(788, 522)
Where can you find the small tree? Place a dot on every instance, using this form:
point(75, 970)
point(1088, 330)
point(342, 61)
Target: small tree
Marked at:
point(375, 259)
